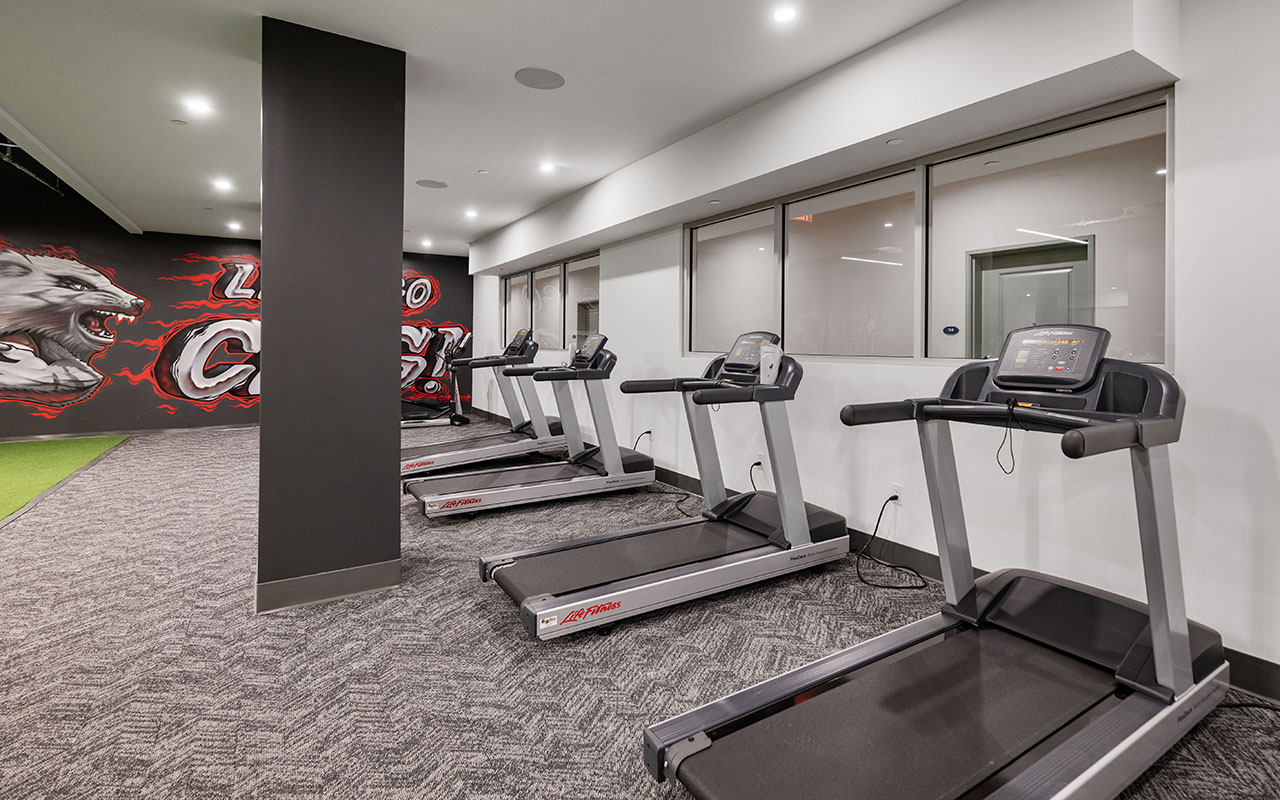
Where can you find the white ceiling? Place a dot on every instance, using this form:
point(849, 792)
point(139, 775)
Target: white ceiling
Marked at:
point(97, 84)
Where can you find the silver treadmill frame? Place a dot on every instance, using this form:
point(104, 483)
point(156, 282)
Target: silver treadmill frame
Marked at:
point(464, 454)
point(1096, 762)
point(543, 616)
point(614, 479)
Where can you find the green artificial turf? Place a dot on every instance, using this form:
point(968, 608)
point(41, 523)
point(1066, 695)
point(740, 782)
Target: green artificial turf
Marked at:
point(29, 468)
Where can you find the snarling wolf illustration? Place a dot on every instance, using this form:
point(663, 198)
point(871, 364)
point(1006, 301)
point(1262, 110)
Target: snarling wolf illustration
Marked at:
point(53, 321)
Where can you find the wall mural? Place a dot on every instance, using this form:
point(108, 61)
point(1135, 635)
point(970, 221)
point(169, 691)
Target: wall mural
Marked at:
point(425, 347)
point(54, 314)
point(200, 346)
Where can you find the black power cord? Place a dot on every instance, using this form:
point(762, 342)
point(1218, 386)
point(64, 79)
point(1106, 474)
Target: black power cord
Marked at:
point(1010, 404)
point(862, 553)
point(1263, 706)
point(641, 436)
point(752, 474)
point(683, 496)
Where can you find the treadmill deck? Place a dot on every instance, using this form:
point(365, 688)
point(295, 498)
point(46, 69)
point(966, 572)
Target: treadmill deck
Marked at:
point(580, 568)
point(929, 726)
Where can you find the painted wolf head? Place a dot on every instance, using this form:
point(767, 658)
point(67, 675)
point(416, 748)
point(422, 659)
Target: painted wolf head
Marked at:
point(53, 321)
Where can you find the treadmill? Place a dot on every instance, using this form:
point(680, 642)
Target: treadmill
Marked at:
point(587, 470)
point(1024, 685)
point(528, 435)
point(429, 413)
point(577, 584)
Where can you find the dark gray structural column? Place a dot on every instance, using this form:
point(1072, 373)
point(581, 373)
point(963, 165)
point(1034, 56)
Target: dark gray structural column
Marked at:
point(332, 211)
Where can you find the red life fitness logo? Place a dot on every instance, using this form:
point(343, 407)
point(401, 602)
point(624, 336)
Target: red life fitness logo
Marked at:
point(466, 501)
point(590, 611)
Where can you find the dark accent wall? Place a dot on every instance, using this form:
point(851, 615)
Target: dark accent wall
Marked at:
point(333, 195)
point(196, 290)
point(44, 239)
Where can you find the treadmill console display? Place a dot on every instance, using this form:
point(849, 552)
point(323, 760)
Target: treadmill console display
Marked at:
point(1061, 357)
point(517, 343)
point(753, 358)
point(588, 349)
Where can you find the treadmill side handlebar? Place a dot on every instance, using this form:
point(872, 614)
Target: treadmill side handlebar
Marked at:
point(875, 413)
point(734, 394)
point(491, 361)
point(669, 385)
point(645, 387)
point(561, 374)
point(1118, 435)
point(519, 372)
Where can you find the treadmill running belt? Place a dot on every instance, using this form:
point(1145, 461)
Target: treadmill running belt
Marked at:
point(494, 479)
point(422, 450)
point(580, 568)
point(928, 726)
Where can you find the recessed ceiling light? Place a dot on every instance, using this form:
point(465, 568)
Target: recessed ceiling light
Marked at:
point(894, 142)
point(223, 184)
point(784, 14)
point(1113, 288)
point(1162, 171)
point(471, 213)
point(1028, 294)
point(426, 242)
point(197, 106)
point(888, 224)
point(539, 78)
point(761, 249)
point(713, 202)
point(430, 184)
point(547, 166)
point(234, 226)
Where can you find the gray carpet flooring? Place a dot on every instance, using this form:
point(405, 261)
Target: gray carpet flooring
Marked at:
point(133, 667)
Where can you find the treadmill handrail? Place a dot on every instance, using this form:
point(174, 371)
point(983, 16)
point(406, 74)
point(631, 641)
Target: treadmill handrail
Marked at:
point(758, 393)
point(571, 374)
point(519, 372)
point(875, 413)
point(1082, 436)
point(479, 362)
point(668, 385)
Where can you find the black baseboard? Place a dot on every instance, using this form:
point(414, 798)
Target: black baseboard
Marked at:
point(1254, 675)
point(682, 482)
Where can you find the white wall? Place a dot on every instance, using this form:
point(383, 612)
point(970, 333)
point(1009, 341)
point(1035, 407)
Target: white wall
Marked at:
point(1113, 193)
point(1074, 518)
point(1227, 170)
point(981, 66)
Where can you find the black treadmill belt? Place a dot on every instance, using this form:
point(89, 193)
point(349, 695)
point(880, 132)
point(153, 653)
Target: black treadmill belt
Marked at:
point(928, 726)
point(580, 568)
point(496, 479)
point(470, 443)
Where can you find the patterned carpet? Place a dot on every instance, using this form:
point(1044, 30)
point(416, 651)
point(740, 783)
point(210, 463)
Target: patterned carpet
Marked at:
point(133, 666)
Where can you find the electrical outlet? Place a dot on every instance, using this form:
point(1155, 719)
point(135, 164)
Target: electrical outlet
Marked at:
point(896, 488)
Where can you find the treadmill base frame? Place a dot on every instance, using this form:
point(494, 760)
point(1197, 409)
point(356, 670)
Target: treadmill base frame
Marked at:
point(549, 617)
point(444, 505)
